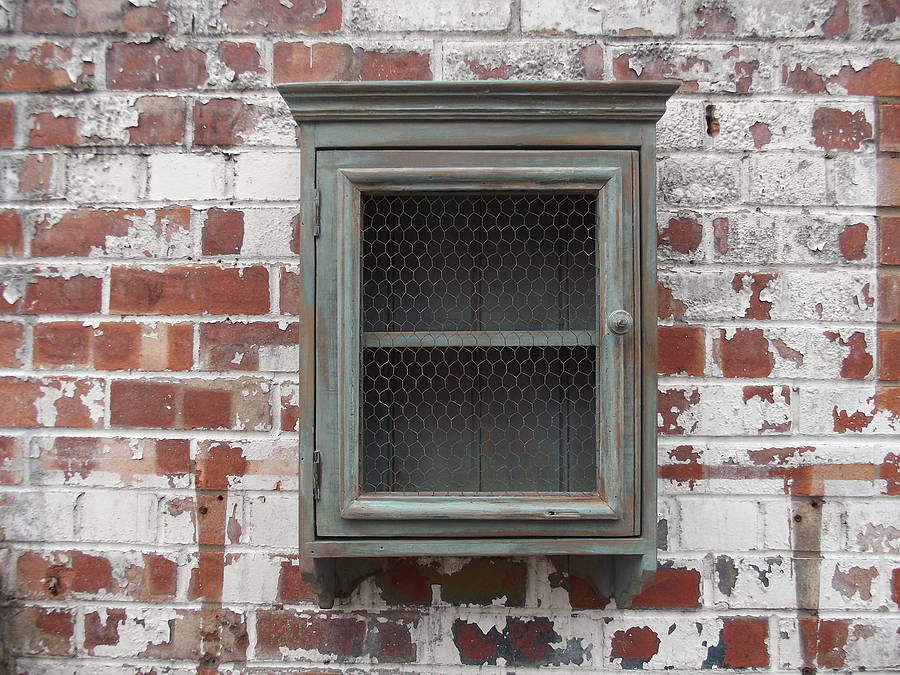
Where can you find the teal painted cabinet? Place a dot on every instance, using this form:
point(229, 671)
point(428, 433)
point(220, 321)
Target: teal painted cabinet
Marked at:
point(478, 331)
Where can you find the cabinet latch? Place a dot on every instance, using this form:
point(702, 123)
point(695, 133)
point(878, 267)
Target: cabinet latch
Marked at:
point(317, 475)
point(317, 223)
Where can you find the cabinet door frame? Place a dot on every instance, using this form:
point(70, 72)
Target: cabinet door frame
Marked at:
point(342, 177)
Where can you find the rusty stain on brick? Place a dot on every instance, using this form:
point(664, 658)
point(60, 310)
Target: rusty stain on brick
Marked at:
point(726, 574)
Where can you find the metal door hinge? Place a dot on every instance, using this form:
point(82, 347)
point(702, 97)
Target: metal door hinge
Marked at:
point(317, 475)
point(317, 223)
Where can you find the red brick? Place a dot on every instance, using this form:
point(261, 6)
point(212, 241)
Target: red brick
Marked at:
point(889, 354)
point(223, 232)
point(340, 635)
point(745, 642)
point(888, 181)
point(289, 291)
point(197, 633)
point(761, 134)
point(160, 121)
point(62, 343)
point(273, 16)
point(710, 20)
point(670, 588)
point(219, 122)
point(105, 633)
point(241, 57)
point(142, 404)
point(41, 68)
point(291, 588)
point(117, 346)
point(395, 66)
point(7, 124)
point(10, 460)
point(852, 241)
point(84, 231)
point(835, 129)
point(72, 403)
point(57, 574)
point(154, 581)
point(881, 78)
point(154, 65)
point(591, 57)
point(12, 338)
point(881, 12)
point(889, 296)
point(889, 128)
point(670, 404)
point(637, 645)
point(36, 177)
point(803, 80)
point(113, 460)
point(75, 295)
point(40, 631)
point(858, 363)
point(682, 233)
point(298, 62)
point(207, 409)
point(189, 290)
point(839, 22)
point(49, 130)
point(682, 349)
point(10, 234)
point(290, 411)
point(93, 16)
point(746, 354)
point(889, 239)
point(225, 346)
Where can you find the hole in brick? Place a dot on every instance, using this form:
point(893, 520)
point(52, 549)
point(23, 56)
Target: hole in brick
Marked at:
point(220, 497)
point(712, 122)
point(53, 586)
point(798, 518)
point(203, 510)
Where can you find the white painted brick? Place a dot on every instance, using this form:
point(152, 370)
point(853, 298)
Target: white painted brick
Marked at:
point(850, 410)
point(683, 126)
point(116, 516)
point(871, 643)
point(777, 516)
point(37, 516)
point(719, 524)
point(872, 526)
point(187, 177)
point(105, 178)
point(855, 180)
point(724, 410)
point(273, 520)
point(600, 17)
point(856, 583)
point(542, 60)
point(267, 176)
point(771, 18)
point(754, 582)
point(697, 181)
point(787, 179)
point(268, 232)
point(250, 577)
point(436, 15)
point(827, 296)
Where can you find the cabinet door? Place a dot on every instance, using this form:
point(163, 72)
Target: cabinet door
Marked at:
point(467, 381)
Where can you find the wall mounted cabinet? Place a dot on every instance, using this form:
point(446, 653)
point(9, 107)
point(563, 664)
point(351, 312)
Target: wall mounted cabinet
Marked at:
point(478, 330)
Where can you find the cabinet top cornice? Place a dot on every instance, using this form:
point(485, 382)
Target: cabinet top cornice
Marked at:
point(453, 101)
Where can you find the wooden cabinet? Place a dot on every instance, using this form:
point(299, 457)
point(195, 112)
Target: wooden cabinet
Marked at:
point(478, 326)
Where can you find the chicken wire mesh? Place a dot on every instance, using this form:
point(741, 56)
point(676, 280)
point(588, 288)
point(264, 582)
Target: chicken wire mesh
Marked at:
point(479, 318)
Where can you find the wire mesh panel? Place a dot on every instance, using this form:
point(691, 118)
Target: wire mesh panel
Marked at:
point(479, 343)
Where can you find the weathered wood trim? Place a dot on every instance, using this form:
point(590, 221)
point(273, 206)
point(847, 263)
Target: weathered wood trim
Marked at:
point(527, 506)
point(496, 546)
point(353, 101)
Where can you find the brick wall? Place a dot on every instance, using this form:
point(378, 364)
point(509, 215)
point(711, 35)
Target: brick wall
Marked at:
point(148, 405)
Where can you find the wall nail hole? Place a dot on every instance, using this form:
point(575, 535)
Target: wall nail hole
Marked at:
point(203, 510)
point(798, 518)
point(712, 122)
point(220, 497)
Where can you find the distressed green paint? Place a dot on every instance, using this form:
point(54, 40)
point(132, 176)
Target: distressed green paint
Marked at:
point(357, 121)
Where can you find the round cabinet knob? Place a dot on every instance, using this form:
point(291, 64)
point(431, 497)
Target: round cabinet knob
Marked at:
point(619, 321)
